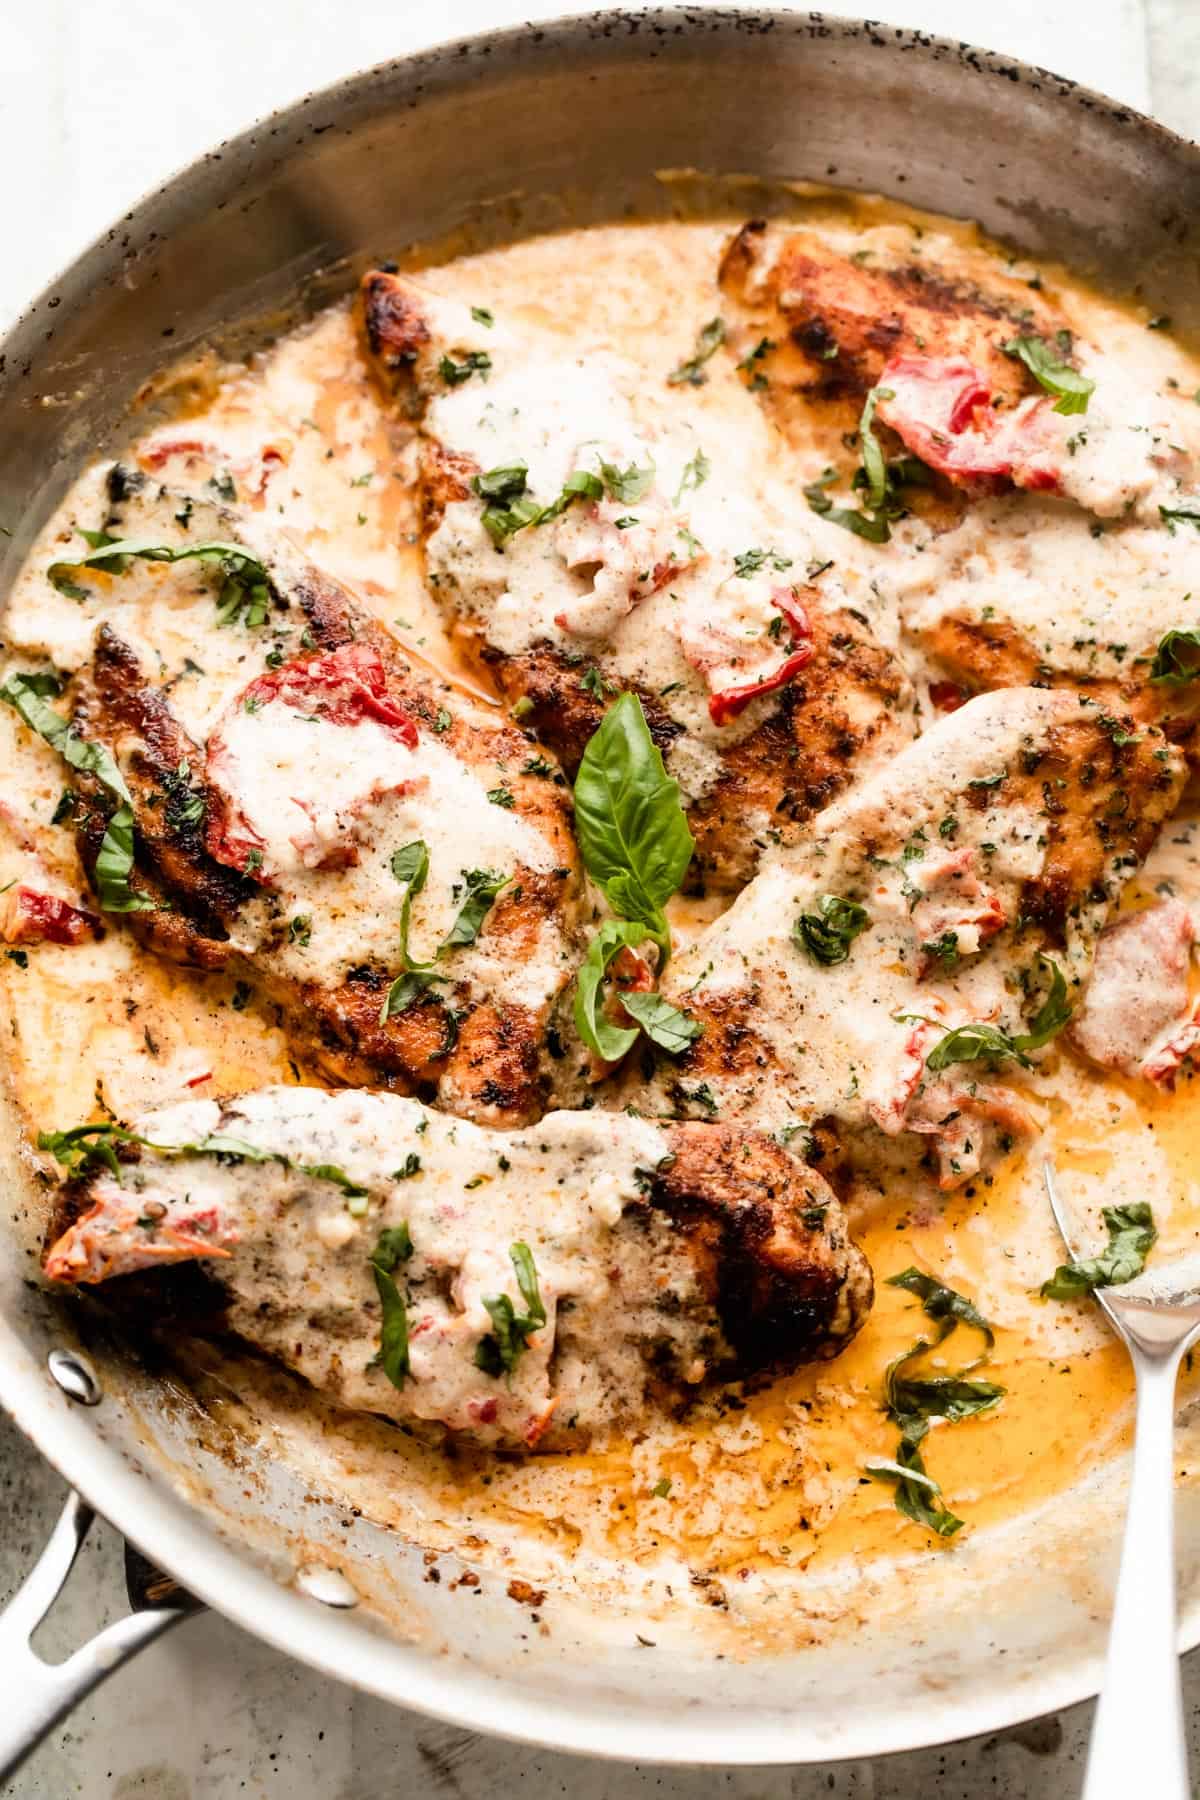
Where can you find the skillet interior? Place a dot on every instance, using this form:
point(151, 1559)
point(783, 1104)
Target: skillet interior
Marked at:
point(472, 145)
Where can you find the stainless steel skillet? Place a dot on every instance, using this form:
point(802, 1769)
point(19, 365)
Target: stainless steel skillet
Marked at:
point(476, 142)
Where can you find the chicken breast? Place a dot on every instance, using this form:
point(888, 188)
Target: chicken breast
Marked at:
point(805, 319)
point(1122, 621)
point(1137, 1014)
point(582, 543)
point(388, 859)
point(525, 1289)
point(898, 973)
point(989, 392)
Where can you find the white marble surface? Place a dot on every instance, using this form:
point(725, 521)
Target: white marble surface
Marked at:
point(97, 104)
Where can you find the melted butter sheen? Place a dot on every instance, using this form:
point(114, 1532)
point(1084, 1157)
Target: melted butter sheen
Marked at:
point(775, 1483)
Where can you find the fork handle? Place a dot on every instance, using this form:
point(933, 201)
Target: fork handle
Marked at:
point(1138, 1743)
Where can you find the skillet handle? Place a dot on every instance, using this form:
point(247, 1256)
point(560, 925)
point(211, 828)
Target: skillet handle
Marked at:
point(38, 1694)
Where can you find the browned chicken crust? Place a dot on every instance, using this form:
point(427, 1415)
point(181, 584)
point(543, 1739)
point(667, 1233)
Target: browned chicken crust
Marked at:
point(831, 322)
point(978, 656)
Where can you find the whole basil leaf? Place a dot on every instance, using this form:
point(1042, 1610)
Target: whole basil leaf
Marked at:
point(632, 831)
point(598, 1032)
point(662, 1023)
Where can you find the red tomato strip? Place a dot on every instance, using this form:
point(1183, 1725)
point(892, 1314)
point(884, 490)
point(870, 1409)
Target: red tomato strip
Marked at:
point(33, 918)
point(731, 701)
point(344, 686)
point(940, 407)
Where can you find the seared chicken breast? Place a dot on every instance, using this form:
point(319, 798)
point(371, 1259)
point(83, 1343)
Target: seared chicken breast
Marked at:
point(388, 859)
point(991, 391)
point(805, 319)
point(581, 548)
point(899, 972)
point(524, 1289)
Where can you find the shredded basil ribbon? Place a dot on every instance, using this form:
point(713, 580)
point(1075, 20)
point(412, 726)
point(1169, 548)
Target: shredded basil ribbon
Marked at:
point(114, 861)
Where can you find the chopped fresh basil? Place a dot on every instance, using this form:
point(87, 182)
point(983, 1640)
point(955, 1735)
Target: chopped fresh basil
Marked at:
point(406, 990)
point(82, 1147)
point(1073, 389)
point(749, 562)
point(978, 1041)
point(393, 1324)
point(828, 933)
point(498, 1353)
point(1174, 662)
point(695, 474)
point(1131, 1235)
point(627, 485)
point(1179, 515)
point(114, 860)
point(942, 1302)
point(245, 592)
point(974, 1042)
point(408, 1168)
point(331, 1172)
point(875, 529)
point(186, 805)
point(394, 1246)
point(913, 1402)
point(708, 341)
point(483, 315)
point(1053, 1013)
point(410, 865)
point(481, 886)
point(475, 362)
point(874, 462)
point(916, 1490)
point(510, 507)
point(502, 796)
point(300, 929)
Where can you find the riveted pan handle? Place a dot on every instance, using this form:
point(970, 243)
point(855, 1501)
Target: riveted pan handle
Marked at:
point(38, 1694)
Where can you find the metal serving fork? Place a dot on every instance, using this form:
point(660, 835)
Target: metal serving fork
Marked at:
point(1138, 1734)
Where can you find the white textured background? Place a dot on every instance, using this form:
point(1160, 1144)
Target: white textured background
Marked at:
point(97, 104)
